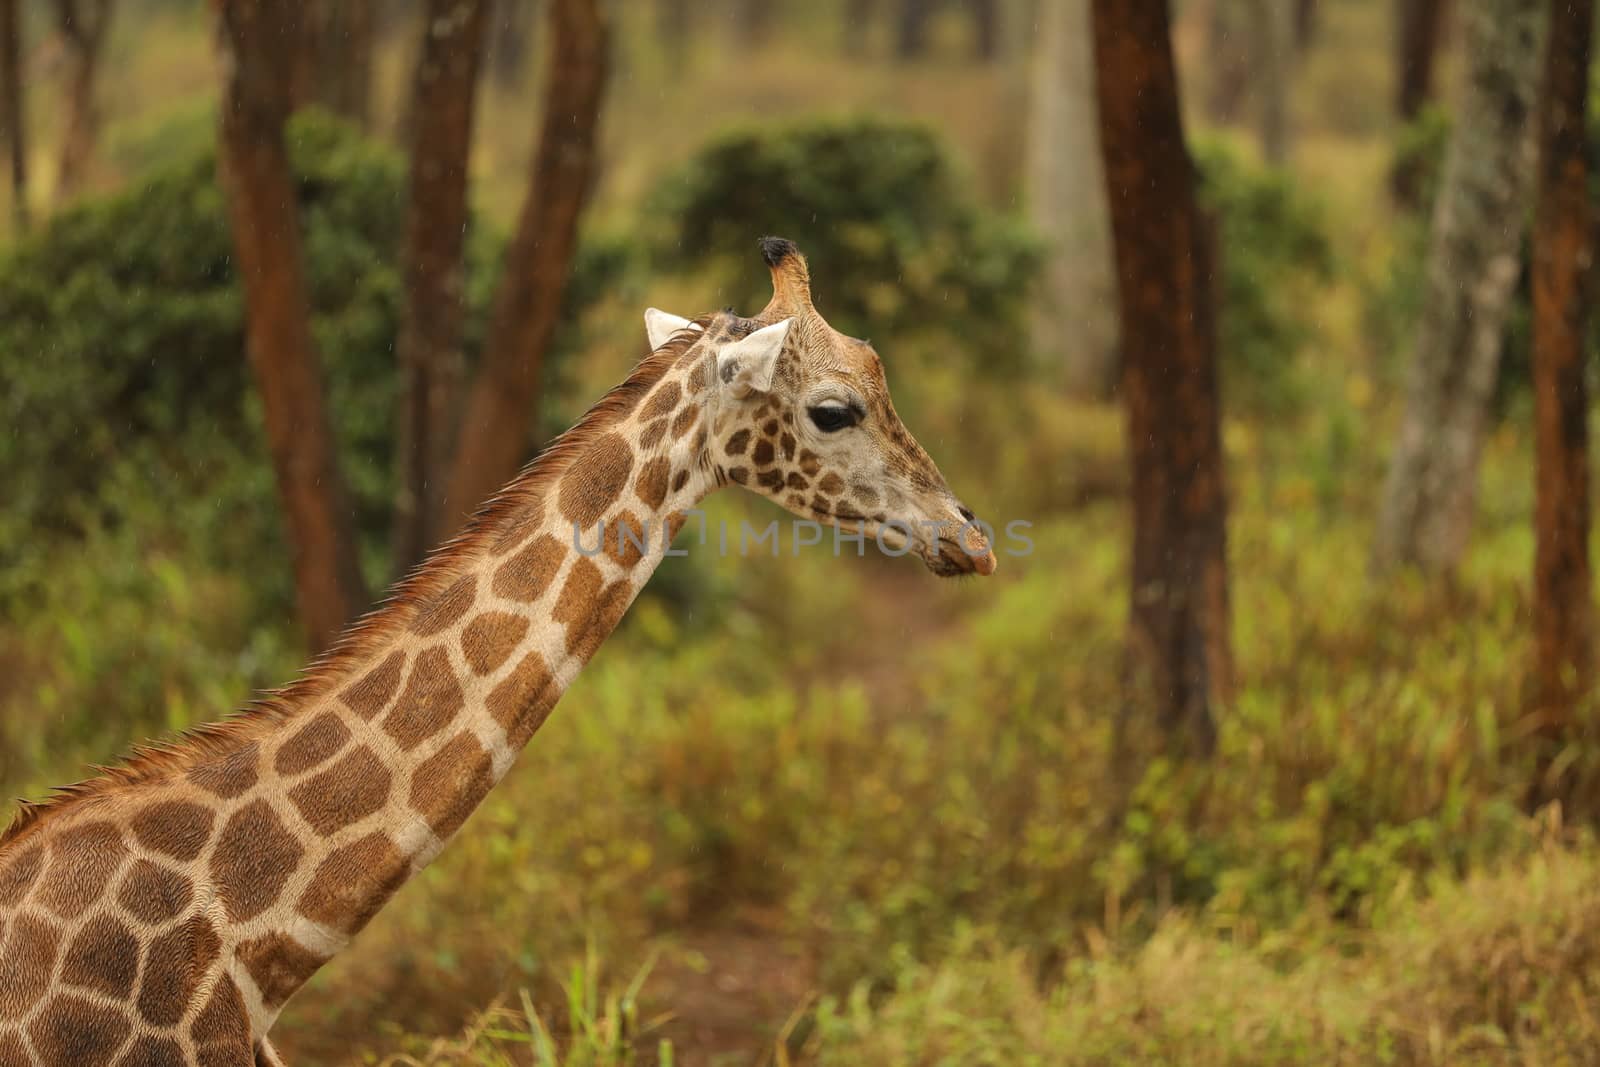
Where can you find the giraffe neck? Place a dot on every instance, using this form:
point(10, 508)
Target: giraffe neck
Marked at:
point(238, 862)
point(381, 772)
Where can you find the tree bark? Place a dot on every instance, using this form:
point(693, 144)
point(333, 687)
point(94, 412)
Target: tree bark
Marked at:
point(344, 32)
point(12, 111)
point(1272, 31)
point(1306, 21)
point(429, 345)
point(1228, 63)
point(258, 38)
point(1417, 45)
point(1425, 518)
point(527, 304)
point(1075, 325)
point(83, 25)
point(511, 40)
point(911, 28)
point(1179, 661)
point(1563, 256)
point(986, 28)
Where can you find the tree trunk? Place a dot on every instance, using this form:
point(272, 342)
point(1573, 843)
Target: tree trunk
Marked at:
point(1075, 325)
point(1418, 44)
point(1305, 24)
point(258, 37)
point(1179, 662)
point(1272, 31)
point(986, 28)
point(12, 112)
point(753, 22)
point(1563, 607)
point(344, 32)
point(1473, 261)
point(511, 40)
point(1228, 54)
point(83, 25)
point(429, 345)
point(911, 30)
point(527, 305)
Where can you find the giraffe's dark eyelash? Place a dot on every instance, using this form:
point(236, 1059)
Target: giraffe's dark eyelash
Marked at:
point(831, 418)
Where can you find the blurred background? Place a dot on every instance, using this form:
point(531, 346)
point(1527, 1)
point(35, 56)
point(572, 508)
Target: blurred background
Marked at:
point(1268, 315)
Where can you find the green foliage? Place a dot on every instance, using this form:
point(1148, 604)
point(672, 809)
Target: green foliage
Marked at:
point(898, 245)
point(1276, 256)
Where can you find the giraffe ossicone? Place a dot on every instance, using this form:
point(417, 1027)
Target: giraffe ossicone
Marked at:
point(164, 912)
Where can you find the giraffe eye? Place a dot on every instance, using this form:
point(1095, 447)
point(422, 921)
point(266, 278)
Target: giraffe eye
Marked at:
point(831, 418)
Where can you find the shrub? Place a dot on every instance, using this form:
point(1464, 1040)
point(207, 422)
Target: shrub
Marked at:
point(898, 244)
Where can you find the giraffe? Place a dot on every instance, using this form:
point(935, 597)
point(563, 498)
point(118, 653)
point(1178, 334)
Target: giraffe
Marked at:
point(164, 912)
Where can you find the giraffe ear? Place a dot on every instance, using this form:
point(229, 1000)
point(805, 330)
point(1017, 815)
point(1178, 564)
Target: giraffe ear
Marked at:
point(747, 365)
point(661, 325)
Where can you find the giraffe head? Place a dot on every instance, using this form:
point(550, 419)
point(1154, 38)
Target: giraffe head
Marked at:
point(801, 414)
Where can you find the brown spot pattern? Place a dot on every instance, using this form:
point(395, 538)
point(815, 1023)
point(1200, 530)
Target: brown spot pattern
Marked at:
point(739, 474)
point(736, 444)
point(222, 1021)
point(346, 792)
point(796, 480)
point(432, 698)
point(279, 964)
point(626, 538)
point(521, 703)
point(230, 776)
point(683, 421)
point(662, 401)
point(577, 600)
point(153, 894)
point(594, 481)
point(451, 782)
point(82, 862)
point(175, 828)
point(254, 857)
point(315, 743)
point(444, 609)
point(772, 479)
point(372, 694)
point(150, 1051)
point(103, 957)
point(177, 963)
point(831, 484)
point(73, 1031)
point(652, 483)
point(680, 480)
point(584, 640)
point(19, 873)
point(527, 574)
point(354, 881)
point(25, 965)
point(762, 454)
point(489, 639)
point(653, 434)
point(521, 526)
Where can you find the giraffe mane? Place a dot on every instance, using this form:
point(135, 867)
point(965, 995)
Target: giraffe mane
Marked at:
point(177, 754)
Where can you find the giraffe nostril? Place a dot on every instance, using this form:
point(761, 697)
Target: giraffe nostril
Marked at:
point(965, 512)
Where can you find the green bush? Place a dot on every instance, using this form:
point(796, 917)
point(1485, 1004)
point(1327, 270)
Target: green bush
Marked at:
point(1275, 254)
point(899, 247)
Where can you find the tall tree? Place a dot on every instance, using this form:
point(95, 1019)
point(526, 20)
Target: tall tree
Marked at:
point(1076, 326)
point(342, 34)
point(1272, 45)
point(1417, 44)
point(511, 40)
point(12, 111)
point(429, 345)
point(258, 39)
point(83, 25)
point(527, 303)
point(1179, 657)
point(911, 28)
point(1426, 513)
point(1563, 248)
